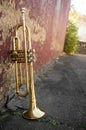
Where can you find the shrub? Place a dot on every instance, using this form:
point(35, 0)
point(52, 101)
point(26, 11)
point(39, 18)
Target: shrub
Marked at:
point(71, 39)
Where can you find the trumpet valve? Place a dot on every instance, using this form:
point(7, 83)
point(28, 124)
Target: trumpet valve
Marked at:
point(31, 55)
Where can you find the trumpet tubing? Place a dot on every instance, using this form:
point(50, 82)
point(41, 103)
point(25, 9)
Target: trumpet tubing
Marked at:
point(26, 56)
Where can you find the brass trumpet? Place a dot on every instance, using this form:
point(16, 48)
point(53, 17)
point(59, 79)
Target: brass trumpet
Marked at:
point(19, 55)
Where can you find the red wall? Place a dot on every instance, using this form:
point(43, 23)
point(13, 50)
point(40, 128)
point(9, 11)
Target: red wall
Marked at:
point(47, 21)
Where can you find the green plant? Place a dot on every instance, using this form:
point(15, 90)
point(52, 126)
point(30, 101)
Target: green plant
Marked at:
point(71, 39)
point(49, 120)
point(17, 114)
point(4, 116)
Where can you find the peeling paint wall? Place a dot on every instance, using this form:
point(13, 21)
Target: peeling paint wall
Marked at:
point(47, 20)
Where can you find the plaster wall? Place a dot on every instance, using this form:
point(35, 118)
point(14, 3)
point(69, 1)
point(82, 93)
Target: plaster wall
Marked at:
point(47, 20)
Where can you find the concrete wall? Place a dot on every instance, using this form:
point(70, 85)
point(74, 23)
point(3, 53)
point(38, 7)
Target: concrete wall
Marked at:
point(47, 20)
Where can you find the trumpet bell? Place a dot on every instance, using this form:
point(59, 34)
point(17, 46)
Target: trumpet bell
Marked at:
point(35, 113)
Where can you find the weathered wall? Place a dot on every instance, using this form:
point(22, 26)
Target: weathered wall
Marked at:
point(47, 21)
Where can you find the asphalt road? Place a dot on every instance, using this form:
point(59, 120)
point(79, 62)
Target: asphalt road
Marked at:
point(60, 91)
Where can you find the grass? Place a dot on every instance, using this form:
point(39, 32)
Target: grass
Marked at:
point(49, 120)
point(7, 114)
point(17, 114)
point(4, 116)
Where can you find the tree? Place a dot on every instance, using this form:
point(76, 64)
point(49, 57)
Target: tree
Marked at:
point(71, 39)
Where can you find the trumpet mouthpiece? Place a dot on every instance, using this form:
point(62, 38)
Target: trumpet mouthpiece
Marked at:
point(23, 10)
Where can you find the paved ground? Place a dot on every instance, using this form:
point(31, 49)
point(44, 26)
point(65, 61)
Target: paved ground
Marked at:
point(61, 93)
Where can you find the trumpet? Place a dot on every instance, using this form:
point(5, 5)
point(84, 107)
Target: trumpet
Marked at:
point(18, 56)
